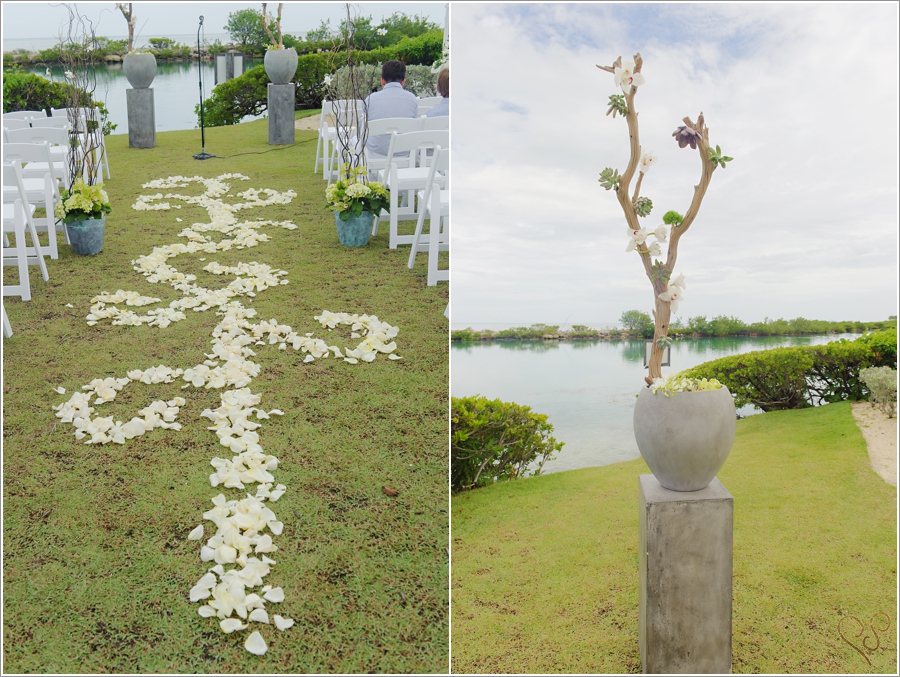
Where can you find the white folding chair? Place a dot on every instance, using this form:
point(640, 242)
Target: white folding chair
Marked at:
point(406, 181)
point(7, 327)
point(439, 235)
point(427, 104)
point(439, 172)
point(376, 163)
point(58, 141)
point(38, 192)
point(58, 122)
point(19, 254)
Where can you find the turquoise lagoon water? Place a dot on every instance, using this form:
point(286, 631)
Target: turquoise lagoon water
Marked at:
point(176, 91)
point(587, 388)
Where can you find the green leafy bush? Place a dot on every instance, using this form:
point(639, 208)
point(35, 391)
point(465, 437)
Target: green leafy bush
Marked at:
point(882, 385)
point(491, 440)
point(798, 377)
point(27, 91)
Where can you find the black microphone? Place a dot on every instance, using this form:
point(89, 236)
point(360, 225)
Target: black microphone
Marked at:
point(201, 20)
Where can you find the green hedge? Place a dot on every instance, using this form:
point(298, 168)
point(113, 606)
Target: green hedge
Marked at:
point(491, 440)
point(794, 378)
point(28, 91)
point(246, 95)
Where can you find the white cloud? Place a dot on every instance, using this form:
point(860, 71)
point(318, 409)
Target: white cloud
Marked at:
point(802, 222)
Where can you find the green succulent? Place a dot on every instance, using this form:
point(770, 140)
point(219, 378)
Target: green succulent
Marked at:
point(617, 105)
point(717, 157)
point(609, 179)
point(642, 206)
point(672, 218)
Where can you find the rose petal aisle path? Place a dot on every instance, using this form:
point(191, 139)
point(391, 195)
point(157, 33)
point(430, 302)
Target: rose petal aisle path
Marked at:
point(100, 574)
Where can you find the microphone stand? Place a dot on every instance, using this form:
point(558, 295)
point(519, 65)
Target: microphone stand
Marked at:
point(202, 155)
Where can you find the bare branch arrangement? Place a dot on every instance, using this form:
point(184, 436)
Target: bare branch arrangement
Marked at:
point(278, 44)
point(667, 290)
point(76, 45)
point(349, 108)
point(130, 19)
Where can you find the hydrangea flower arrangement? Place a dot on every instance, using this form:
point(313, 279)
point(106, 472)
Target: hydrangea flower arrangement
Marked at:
point(82, 202)
point(352, 195)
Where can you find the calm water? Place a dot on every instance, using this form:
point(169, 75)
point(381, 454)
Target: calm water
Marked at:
point(176, 90)
point(587, 388)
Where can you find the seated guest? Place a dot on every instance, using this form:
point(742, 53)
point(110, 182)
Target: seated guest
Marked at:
point(443, 88)
point(391, 102)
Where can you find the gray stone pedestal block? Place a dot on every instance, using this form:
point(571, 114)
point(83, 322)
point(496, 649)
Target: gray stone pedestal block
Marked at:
point(685, 568)
point(141, 118)
point(281, 113)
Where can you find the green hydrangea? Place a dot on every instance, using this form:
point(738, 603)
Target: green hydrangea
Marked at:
point(82, 202)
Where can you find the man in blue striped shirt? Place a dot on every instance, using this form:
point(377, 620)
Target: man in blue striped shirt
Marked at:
point(391, 102)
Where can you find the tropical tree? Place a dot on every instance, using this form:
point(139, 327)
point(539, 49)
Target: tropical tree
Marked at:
point(245, 26)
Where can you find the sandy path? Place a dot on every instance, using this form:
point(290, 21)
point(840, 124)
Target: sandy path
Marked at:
point(312, 122)
point(880, 433)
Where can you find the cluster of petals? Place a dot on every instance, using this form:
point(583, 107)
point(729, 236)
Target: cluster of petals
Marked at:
point(674, 292)
point(376, 339)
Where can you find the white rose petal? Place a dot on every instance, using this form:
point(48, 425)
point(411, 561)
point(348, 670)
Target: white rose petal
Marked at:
point(196, 534)
point(255, 644)
point(282, 623)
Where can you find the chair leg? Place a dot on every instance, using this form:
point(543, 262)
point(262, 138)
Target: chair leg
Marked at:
point(420, 222)
point(7, 327)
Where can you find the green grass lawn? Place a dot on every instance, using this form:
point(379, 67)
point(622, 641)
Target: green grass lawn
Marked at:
point(545, 570)
point(96, 564)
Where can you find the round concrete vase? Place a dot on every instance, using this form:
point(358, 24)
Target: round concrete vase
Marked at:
point(355, 231)
point(686, 437)
point(86, 235)
point(140, 69)
point(281, 64)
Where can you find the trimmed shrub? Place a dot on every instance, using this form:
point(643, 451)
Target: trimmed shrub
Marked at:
point(28, 91)
point(882, 385)
point(491, 440)
point(794, 378)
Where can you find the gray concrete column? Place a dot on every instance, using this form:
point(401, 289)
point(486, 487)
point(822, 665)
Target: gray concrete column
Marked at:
point(141, 118)
point(281, 113)
point(685, 568)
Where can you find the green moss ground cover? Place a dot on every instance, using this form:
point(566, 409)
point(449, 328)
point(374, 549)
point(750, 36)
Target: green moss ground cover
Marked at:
point(545, 570)
point(96, 565)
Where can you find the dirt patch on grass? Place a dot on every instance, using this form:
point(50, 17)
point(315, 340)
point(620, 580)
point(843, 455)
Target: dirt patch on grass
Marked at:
point(311, 122)
point(880, 433)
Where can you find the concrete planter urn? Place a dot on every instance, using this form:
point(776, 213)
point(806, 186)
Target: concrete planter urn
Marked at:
point(686, 437)
point(140, 69)
point(281, 64)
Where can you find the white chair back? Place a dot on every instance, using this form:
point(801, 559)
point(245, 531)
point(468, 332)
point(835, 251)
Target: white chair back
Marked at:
point(438, 122)
point(398, 125)
point(16, 123)
point(23, 114)
point(56, 123)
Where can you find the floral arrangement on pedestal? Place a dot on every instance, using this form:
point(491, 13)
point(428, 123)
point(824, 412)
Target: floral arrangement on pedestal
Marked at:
point(668, 289)
point(685, 439)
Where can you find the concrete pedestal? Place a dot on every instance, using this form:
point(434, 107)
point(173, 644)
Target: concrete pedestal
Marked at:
point(281, 113)
point(141, 118)
point(685, 568)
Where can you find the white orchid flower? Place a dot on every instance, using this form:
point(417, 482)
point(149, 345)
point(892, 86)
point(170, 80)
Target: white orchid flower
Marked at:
point(626, 77)
point(647, 159)
point(654, 249)
point(661, 233)
point(672, 296)
point(678, 282)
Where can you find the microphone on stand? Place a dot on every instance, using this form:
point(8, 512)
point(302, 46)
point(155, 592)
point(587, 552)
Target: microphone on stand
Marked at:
point(202, 155)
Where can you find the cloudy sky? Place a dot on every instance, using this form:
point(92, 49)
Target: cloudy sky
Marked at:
point(163, 19)
point(803, 222)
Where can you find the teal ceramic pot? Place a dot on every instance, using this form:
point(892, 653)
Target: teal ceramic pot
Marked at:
point(355, 231)
point(86, 236)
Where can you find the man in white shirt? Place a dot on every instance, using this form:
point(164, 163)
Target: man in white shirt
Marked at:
point(391, 102)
